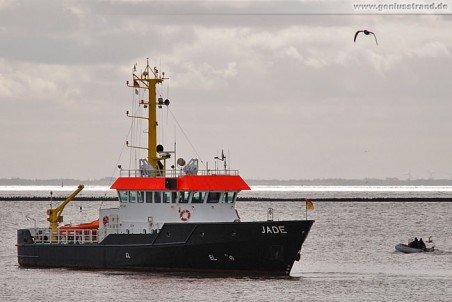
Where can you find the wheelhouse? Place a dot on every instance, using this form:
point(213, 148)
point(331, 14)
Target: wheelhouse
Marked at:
point(146, 203)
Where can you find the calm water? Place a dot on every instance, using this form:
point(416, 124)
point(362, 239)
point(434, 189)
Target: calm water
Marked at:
point(348, 256)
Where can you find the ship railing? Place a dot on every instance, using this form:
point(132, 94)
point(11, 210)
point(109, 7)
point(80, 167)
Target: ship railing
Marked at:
point(65, 236)
point(175, 173)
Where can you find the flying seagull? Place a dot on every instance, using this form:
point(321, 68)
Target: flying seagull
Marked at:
point(366, 32)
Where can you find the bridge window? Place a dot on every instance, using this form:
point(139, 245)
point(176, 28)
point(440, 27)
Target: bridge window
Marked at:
point(166, 197)
point(158, 197)
point(155, 197)
point(183, 197)
point(173, 197)
point(214, 197)
point(124, 196)
point(148, 197)
point(140, 198)
point(133, 196)
point(198, 197)
point(229, 197)
point(136, 196)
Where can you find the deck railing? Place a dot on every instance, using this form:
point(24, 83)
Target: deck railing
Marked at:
point(81, 236)
point(65, 236)
point(174, 173)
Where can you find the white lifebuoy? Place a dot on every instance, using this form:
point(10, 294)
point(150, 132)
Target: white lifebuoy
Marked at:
point(184, 215)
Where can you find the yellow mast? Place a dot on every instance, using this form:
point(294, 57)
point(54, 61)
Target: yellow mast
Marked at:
point(149, 79)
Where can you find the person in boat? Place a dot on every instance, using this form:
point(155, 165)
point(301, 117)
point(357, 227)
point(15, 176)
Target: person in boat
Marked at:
point(421, 244)
point(414, 243)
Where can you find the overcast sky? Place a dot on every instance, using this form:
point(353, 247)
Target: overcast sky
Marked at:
point(279, 85)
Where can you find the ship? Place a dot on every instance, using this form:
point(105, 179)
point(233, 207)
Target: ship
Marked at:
point(169, 217)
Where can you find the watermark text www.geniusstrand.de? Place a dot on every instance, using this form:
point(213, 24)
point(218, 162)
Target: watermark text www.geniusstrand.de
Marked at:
point(404, 7)
point(283, 7)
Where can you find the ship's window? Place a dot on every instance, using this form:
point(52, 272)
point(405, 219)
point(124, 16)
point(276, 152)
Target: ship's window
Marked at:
point(166, 197)
point(230, 197)
point(123, 196)
point(133, 196)
point(171, 183)
point(173, 197)
point(183, 197)
point(148, 197)
point(140, 197)
point(158, 197)
point(198, 197)
point(213, 197)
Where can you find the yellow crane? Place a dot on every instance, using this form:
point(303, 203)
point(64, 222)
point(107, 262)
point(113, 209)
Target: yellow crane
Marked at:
point(55, 214)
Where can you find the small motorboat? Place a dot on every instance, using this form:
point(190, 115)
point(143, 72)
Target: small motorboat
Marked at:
point(415, 246)
point(404, 248)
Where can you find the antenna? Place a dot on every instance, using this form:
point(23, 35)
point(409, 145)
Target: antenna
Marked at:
point(229, 156)
point(222, 158)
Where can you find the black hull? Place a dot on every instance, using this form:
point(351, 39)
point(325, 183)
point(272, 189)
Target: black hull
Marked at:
point(267, 247)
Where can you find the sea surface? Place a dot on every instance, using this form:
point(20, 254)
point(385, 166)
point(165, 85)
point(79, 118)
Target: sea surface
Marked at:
point(349, 254)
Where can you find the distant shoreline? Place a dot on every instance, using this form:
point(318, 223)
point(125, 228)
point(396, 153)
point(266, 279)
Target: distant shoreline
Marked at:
point(108, 181)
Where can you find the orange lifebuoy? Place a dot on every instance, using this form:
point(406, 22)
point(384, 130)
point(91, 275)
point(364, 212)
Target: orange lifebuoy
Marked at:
point(185, 215)
point(105, 219)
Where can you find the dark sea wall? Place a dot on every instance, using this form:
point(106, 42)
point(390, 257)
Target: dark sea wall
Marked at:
point(245, 199)
point(106, 181)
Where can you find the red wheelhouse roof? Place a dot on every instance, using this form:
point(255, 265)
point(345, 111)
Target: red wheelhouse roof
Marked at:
point(184, 183)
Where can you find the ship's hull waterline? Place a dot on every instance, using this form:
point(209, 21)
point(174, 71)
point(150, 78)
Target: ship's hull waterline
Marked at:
point(267, 247)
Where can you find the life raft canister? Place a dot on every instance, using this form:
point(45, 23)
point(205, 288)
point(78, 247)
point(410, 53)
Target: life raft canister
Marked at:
point(185, 215)
point(105, 220)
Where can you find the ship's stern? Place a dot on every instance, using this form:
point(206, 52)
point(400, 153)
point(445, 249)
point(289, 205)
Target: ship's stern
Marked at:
point(25, 248)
